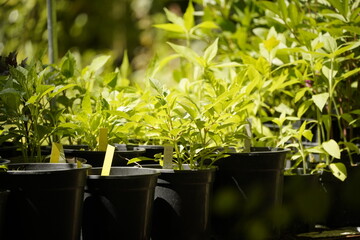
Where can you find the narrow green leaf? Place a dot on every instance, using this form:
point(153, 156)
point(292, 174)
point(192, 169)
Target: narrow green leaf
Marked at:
point(211, 51)
point(294, 14)
point(272, 6)
point(352, 29)
point(32, 99)
point(339, 5)
point(283, 9)
point(303, 108)
point(86, 104)
point(350, 73)
point(61, 88)
point(171, 27)
point(349, 46)
point(207, 25)
point(227, 65)
point(68, 65)
point(172, 17)
point(125, 66)
point(189, 16)
point(191, 110)
point(188, 53)
point(43, 90)
point(300, 94)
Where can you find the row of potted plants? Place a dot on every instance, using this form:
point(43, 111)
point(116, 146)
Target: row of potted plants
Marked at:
point(271, 74)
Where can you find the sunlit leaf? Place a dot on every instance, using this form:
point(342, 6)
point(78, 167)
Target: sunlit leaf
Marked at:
point(189, 16)
point(98, 62)
point(338, 170)
point(170, 27)
point(332, 148)
point(271, 43)
point(86, 104)
point(320, 100)
point(211, 51)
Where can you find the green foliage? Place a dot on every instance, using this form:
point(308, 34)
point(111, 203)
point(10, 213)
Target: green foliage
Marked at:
point(27, 114)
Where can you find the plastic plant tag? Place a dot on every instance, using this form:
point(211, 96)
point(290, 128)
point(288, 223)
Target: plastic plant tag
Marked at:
point(103, 139)
point(168, 155)
point(109, 155)
point(57, 153)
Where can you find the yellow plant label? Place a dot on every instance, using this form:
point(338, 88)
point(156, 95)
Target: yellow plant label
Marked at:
point(109, 155)
point(168, 156)
point(103, 139)
point(57, 153)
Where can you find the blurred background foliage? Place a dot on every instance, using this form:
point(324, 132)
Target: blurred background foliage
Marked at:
point(86, 28)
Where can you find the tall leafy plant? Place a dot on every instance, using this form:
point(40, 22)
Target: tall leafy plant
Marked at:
point(26, 107)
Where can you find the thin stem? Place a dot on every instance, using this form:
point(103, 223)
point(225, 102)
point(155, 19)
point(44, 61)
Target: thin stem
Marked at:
point(51, 25)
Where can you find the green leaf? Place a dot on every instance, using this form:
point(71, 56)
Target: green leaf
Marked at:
point(207, 25)
point(190, 109)
point(86, 104)
point(170, 27)
point(303, 108)
point(189, 16)
point(328, 72)
point(352, 29)
point(344, 48)
point(60, 88)
point(338, 170)
point(332, 148)
point(109, 77)
point(271, 43)
point(98, 62)
point(308, 134)
point(352, 147)
point(172, 17)
point(68, 65)
point(188, 53)
point(227, 65)
point(138, 159)
point(294, 14)
point(32, 99)
point(320, 100)
point(283, 108)
point(350, 73)
point(125, 66)
point(340, 5)
point(211, 51)
point(329, 43)
point(300, 94)
point(283, 9)
point(273, 7)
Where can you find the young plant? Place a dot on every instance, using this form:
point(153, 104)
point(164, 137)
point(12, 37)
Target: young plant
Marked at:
point(27, 109)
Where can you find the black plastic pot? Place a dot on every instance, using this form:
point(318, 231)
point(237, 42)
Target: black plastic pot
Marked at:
point(344, 198)
point(45, 201)
point(4, 193)
point(247, 194)
point(305, 204)
point(96, 158)
point(181, 205)
point(119, 206)
point(3, 204)
point(9, 150)
point(150, 150)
